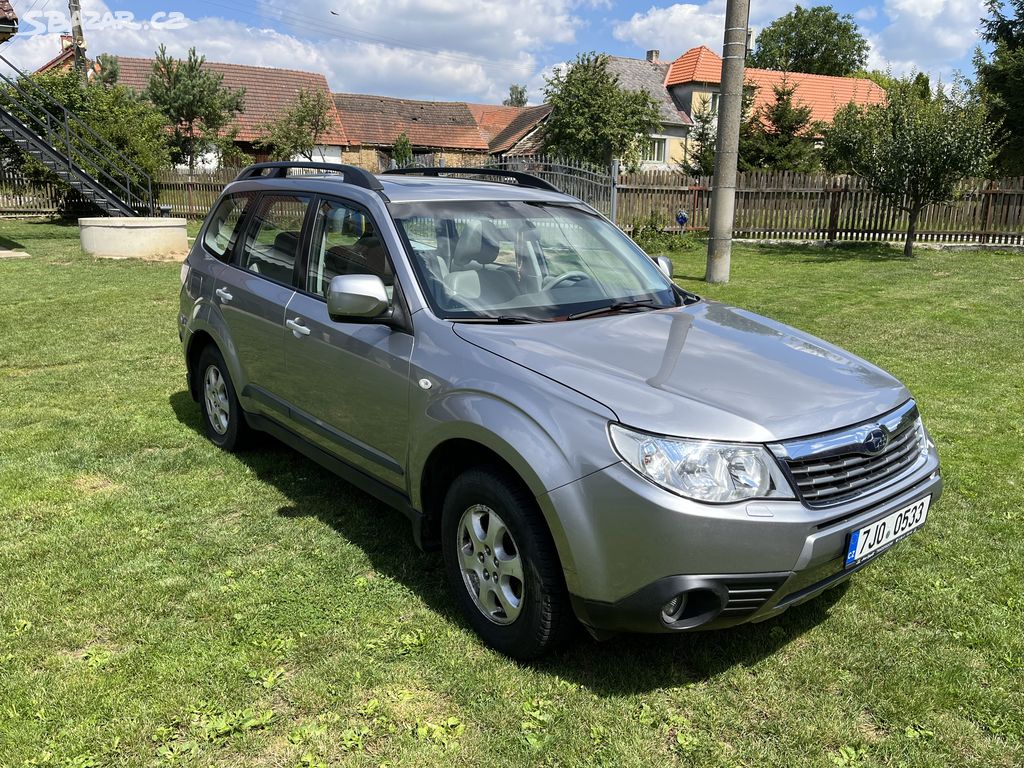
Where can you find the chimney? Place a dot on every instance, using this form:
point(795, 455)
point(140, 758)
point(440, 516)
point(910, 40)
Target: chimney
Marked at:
point(653, 54)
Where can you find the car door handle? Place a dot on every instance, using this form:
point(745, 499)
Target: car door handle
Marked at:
point(224, 295)
point(297, 327)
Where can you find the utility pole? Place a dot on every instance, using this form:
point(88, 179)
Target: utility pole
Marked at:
point(727, 148)
point(77, 36)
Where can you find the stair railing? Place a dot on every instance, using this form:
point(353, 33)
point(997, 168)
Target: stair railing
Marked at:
point(77, 143)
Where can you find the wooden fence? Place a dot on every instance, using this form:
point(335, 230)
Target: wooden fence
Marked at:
point(21, 197)
point(791, 206)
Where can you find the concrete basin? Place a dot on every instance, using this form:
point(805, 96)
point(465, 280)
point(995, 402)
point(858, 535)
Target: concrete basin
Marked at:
point(134, 237)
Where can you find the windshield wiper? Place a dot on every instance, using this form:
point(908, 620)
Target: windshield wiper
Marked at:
point(499, 319)
point(617, 307)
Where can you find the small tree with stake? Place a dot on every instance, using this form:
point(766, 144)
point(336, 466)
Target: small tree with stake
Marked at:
point(700, 158)
point(915, 150)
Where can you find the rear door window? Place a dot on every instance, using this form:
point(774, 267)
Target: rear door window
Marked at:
point(274, 237)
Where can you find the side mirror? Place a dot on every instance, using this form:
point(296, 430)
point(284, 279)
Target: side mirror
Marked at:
point(665, 265)
point(356, 297)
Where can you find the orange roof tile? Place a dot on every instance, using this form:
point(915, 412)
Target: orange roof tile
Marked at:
point(269, 93)
point(697, 65)
point(379, 120)
point(825, 95)
point(504, 126)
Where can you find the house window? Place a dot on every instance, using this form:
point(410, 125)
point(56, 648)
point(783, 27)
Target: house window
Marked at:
point(655, 152)
point(714, 103)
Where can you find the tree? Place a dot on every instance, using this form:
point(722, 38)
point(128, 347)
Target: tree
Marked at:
point(778, 136)
point(816, 40)
point(516, 96)
point(1001, 80)
point(700, 157)
point(130, 124)
point(915, 150)
point(401, 152)
point(592, 118)
point(297, 132)
point(195, 102)
point(106, 69)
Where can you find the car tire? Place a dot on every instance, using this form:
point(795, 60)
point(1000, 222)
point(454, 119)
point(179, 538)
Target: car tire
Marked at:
point(502, 565)
point(223, 419)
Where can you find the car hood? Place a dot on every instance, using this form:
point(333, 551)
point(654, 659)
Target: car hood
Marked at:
point(707, 371)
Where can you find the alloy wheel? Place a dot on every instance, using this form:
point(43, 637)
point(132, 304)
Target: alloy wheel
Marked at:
point(215, 393)
point(492, 568)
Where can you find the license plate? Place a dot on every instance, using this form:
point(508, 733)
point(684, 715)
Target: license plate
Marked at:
point(882, 534)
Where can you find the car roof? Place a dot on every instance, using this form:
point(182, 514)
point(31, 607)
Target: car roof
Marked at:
point(408, 189)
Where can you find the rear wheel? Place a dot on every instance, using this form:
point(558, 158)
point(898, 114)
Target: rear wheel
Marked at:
point(223, 420)
point(502, 564)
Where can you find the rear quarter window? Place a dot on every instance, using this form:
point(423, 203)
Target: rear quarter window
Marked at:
point(221, 232)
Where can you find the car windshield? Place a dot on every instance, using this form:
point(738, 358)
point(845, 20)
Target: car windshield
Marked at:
point(524, 261)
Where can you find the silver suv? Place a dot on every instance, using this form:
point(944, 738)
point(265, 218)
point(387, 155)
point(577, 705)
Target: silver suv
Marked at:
point(580, 437)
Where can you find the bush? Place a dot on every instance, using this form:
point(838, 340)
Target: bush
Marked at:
point(651, 233)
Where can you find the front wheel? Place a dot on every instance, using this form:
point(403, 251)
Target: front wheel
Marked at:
point(502, 564)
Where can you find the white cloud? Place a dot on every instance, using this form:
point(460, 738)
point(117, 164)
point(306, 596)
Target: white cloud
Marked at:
point(457, 49)
point(480, 28)
point(676, 28)
point(926, 36)
point(868, 13)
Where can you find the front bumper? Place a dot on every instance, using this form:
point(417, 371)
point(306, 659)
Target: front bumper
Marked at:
point(635, 546)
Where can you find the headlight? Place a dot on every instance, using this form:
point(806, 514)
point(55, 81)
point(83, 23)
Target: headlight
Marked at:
point(701, 470)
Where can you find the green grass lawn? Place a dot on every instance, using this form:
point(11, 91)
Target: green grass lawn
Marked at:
point(162, 602)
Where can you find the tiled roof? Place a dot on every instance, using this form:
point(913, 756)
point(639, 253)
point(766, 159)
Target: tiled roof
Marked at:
point(503, 129)
point(700, 65)
point(825, 95)
point(269, 93)
point(644, 75)
point(379, 120)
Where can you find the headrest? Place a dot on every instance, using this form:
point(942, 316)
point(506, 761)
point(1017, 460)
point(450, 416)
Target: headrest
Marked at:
point(464, 284)
point(479, 243)
point(287, 242)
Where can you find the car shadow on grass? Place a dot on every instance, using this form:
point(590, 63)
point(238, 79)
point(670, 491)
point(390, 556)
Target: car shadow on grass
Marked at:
point(625, 664)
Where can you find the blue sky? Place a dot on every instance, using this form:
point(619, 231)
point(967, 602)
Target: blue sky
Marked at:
point(470, 49)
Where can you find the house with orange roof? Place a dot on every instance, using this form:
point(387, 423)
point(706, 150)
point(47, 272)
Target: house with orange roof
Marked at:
point(269, 94)
point(453, 132)
point(694, 80)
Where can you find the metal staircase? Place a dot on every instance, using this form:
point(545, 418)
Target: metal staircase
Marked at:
point(56, 137)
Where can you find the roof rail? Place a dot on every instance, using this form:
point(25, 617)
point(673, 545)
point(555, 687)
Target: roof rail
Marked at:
point(352, 175)
point(522, 179)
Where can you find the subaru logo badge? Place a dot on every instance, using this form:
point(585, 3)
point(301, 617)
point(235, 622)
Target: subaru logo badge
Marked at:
point(875, 441)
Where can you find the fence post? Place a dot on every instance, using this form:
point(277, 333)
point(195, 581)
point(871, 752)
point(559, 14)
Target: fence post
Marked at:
point(986, 212)
point(835, 205)
point(613, 205)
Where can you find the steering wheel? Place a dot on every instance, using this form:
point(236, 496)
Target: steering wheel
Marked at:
point(573, 276)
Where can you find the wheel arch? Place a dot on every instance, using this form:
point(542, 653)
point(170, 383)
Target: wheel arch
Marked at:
point(451, 456)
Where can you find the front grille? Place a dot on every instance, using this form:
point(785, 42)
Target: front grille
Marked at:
point(747, 597)
point(842, 469)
